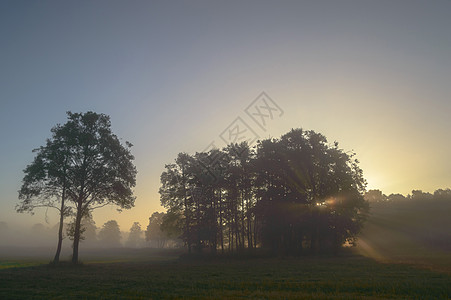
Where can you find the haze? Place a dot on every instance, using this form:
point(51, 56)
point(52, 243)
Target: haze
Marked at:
point(173, 76)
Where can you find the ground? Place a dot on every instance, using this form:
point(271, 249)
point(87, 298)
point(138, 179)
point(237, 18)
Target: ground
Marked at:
point(146, 273)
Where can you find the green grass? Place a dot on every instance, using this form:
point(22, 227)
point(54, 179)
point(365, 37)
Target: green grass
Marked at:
point(346, 277)
point(19, 264)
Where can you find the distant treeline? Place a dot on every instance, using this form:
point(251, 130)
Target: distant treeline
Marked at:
point(417, 196)
point(109, 235)
point(422, 218)
point(297, 194)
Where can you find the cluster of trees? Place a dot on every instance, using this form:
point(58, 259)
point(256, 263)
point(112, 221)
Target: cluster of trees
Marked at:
point(293, 194)
point(418, 220)
point(376, 196)
point(290, 194)
point(83, 166)
point(154, 233)
point(159, 234)
point(43, 235)
point(109, 235)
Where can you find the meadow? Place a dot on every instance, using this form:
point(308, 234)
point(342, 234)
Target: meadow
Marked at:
point(151, 274)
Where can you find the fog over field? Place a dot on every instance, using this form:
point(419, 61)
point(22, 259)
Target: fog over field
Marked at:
point(413, 229)
point(225, 149)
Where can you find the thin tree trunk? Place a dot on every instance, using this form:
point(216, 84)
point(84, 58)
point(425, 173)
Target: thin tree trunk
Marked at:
point(215, 220)
point(249, 231)
point(77, 233)
point(187, 212)
point(230, 238)
point(243, 221)
point(237, 232)
point(56, 259)
point(221, 229)
point(255, 232)
point(60, 229)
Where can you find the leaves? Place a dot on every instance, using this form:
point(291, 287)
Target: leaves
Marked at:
point(288, 192)
point(84, 162)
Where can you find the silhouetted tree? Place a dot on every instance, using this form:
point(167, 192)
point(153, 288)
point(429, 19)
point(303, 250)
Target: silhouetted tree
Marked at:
point(135, 237)
point(442, 194)
point(395, 198)
point(311, 193)
point(88, 230)
point(84, 163)
point(420, 195)
point(154, 232)
point(176, 193)
point(294, 192)
point(110, 234)
point(375, 196)
point(172, 224)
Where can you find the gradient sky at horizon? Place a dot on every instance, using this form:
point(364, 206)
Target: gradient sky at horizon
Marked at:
point(373, 75)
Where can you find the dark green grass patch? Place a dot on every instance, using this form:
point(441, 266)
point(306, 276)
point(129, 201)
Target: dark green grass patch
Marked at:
point(350, 277)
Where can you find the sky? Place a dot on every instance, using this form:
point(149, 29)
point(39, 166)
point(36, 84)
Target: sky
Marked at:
point(174, 75)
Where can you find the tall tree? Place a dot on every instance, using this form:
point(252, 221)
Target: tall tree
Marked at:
point(176, 193)
point(85, 164)
point(290, 193)
point(312, 192)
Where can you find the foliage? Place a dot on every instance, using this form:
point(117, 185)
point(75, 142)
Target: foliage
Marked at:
point(88, 230)
point(410, 223)
point(46, 180)
point(288, 194)
point(85, 163)
point(375, 196)
point(110, 234)
point(135, 237)
point(154, 232)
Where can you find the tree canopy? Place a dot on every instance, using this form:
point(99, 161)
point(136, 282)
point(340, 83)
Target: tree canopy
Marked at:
point(83, 166)
point(156, 232)
point(294, 194)
point(135, 237)
point(110, 234)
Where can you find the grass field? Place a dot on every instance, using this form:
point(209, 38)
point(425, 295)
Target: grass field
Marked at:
point(139, 276)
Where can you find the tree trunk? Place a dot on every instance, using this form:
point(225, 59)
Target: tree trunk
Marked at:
point(77, 234)
point(243, 222)
point(60, 231)
point(230, 238)
point(255, 231)
point(56, 259)
point(221, 229)
point(215, 222)
point(186, 212)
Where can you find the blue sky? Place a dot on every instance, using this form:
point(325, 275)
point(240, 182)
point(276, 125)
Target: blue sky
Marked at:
point(373, 75)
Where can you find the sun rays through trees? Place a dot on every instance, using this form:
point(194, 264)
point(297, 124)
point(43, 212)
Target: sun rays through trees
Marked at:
point(292, 195)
